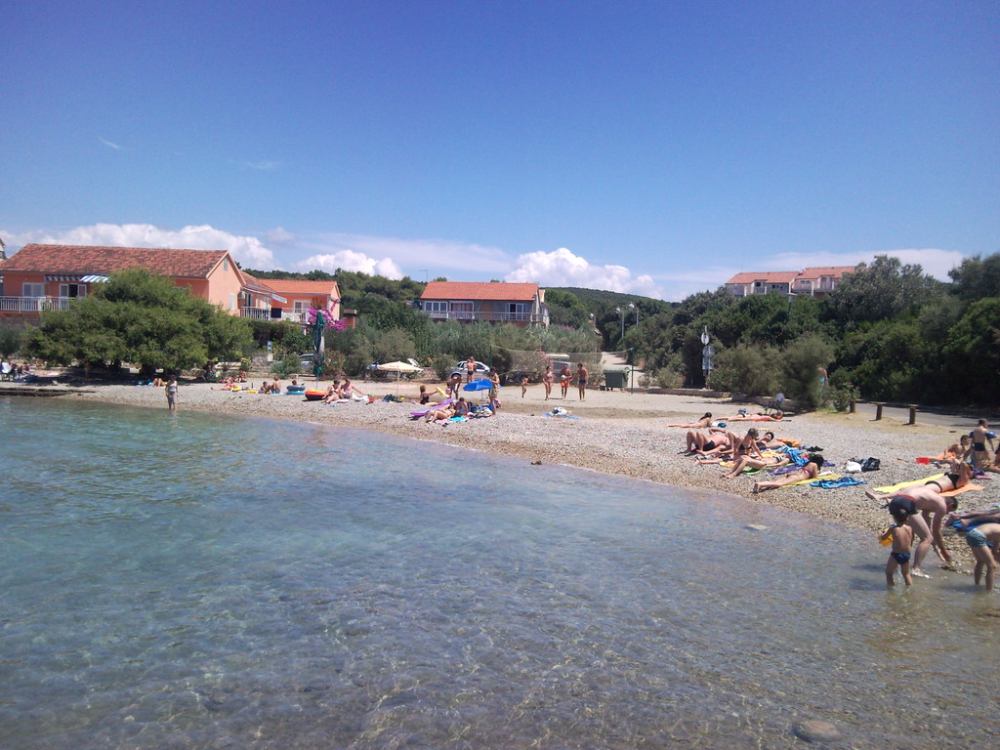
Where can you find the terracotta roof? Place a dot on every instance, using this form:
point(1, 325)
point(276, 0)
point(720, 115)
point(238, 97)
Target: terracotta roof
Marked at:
point(479, 290)
point(303, 286)
point(84, 259)
point(817, 271)
point(768, 277)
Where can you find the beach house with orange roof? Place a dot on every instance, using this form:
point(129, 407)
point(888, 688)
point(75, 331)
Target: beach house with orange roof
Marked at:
point(819, 280)
point(761, 282)
point(48, 277)
point(490, 301)
point(298, 296)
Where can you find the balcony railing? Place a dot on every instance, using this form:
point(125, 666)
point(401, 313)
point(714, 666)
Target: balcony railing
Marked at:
point(489, 317)
point(34, 304)
point(257, 313)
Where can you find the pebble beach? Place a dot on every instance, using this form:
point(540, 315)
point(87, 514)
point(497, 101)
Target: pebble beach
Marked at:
point(620, 433)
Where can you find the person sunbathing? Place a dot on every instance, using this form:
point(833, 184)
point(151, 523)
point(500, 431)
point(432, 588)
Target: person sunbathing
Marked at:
point(953, 451)
point(959, 475)
point(441, 414)
point(745, 462)
point(769, 442)
point(706, 443)
point(965, 519)
point(809, 471)
point(734, 446)
point(703, 423)
point(756, 417)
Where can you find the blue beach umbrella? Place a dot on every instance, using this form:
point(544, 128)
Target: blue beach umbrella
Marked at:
point(478, 385)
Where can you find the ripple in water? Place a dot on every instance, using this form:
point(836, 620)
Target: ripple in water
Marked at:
point(192, 582)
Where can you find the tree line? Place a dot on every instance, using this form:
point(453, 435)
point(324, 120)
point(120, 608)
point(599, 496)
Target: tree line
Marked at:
point(889, 332)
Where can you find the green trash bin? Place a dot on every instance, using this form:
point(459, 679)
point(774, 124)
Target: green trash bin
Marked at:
point(615, 379)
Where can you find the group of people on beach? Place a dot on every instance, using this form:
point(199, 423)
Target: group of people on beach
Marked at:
point(566, 378)
point(920, 511)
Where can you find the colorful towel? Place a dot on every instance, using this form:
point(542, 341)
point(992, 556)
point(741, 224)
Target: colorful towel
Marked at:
point(907, 483)
point(829, 484)
point(821, 478)
point(960, 490)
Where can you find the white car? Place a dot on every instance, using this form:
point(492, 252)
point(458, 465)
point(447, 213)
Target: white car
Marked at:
point(482, 369)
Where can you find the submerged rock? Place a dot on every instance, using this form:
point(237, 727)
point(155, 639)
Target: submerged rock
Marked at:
point(814, 730)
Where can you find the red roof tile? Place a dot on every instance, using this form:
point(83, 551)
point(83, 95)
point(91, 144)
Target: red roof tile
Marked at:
point(768, 277)
point(303, 286)
point(815, 272)
point(479, 290)
point(84, 259)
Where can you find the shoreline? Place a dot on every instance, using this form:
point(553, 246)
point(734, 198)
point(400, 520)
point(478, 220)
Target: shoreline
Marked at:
point(616, 433)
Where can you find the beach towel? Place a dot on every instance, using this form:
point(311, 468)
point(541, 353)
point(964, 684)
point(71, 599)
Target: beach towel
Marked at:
point(829, 484)
point(821, 478)
point(960, 490)
point(907, 483)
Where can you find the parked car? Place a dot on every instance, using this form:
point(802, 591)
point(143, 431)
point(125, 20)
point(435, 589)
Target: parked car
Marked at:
point(482, 370)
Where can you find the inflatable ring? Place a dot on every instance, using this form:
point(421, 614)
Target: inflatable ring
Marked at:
point(440, 390)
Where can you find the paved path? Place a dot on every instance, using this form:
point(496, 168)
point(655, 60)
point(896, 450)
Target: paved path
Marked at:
point(960, 422)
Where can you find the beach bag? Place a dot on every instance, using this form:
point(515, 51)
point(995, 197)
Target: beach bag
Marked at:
point(871, 464)
point(852, 467)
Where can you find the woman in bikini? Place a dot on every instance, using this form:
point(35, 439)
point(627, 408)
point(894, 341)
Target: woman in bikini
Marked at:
point(702, 424)
point(756, 463)
point(958, 476)
point(809, 471)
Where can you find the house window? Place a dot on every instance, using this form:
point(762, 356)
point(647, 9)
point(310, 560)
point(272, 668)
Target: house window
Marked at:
point(299, 307)
point(462, 311)
point(72, 290)
point(430, 306)
point(33, 290)
point(232, 301)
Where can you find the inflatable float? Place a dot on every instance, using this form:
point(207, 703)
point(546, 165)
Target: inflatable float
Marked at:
point(314, 395)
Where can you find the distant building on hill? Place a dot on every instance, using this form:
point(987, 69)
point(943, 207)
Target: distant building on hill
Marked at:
point(48, 277)
point(812, 282)
point(489, 301)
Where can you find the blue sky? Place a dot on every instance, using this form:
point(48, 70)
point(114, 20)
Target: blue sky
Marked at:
point(653, 148)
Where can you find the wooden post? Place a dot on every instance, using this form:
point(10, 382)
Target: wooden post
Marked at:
point(913, 414)
point(878, 410)
point(852, 407)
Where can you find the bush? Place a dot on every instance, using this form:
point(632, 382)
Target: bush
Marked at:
point(801, 362)
point(748, 370)
point(291, 363)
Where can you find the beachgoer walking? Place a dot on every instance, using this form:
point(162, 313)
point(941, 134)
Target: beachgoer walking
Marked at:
point(581, 380)
point(547, 379)
point(980, 540)
point(980, 436)
point(524, 386)
point(565, 378)
point(494, 391)
point(171, 390)
point(470, 368)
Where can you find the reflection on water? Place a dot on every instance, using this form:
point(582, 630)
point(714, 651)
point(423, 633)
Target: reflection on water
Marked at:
point(192, 582)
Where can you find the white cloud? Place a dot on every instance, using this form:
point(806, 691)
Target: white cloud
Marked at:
point(351, 260)
point(417, 255)
point(115, 146)
point(265, 165)
point(562, 268)
point(247, 251)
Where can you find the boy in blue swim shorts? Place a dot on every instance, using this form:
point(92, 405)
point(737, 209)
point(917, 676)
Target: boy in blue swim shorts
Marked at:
point(902, 541)
point(984, 541)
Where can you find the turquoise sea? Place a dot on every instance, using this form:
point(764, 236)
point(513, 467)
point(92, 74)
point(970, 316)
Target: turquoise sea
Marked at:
point(198, 581)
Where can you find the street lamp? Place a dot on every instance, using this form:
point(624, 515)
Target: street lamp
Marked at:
point(632, 306)
point(621, 313)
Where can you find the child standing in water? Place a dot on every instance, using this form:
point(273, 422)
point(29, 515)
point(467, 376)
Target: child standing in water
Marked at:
point(902, 541)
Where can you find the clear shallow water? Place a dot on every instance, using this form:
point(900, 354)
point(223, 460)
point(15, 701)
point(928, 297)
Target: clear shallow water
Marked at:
point(210, 582)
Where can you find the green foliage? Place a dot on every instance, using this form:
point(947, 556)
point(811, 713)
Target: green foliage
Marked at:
point(841, 391)
point(801, 362)
point(975, 343)
point(977, 278)
point(141, 319)
point(747, 370)
point(287, 365)
point(12, 337)
point(884, 290)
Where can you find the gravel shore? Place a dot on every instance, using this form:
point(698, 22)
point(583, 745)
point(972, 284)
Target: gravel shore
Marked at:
point(617, 433)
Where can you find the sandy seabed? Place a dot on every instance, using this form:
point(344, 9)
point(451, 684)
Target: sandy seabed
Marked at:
point(617, 433)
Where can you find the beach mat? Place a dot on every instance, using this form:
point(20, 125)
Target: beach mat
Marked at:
point(820, 478)
point(907, 483)
point(960, 490)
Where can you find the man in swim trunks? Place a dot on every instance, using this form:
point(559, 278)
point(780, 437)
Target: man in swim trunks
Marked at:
point(980, 435)
point(581, 380)
point(933, 507)
point(984, 541)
